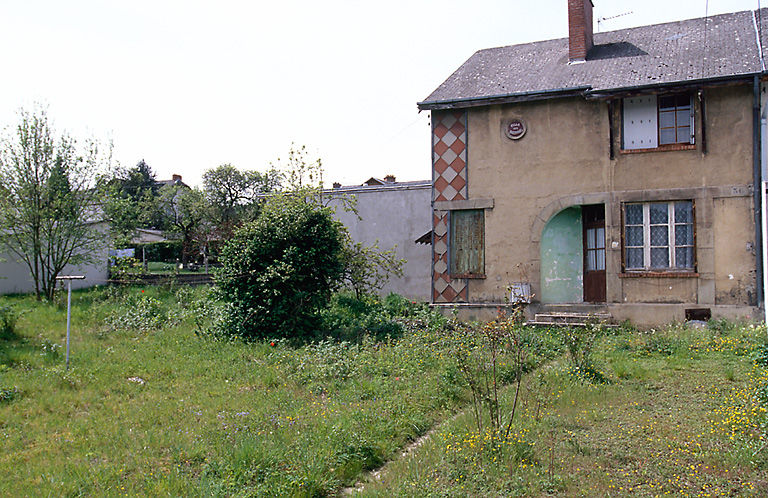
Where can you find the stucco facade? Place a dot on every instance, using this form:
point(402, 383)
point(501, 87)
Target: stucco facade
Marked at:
point(392, 215)
point(564, 162)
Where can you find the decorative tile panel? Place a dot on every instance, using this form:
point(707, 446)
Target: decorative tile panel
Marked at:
point(449, 183)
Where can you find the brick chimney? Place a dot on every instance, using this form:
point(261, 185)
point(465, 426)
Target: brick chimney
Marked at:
point(336, 185)
point(579, 29)
point(389, 178)
point(176, 178)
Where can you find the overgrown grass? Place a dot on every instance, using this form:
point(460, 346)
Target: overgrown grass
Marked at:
point(153, 406)
point(149, 407)
point(682, 413)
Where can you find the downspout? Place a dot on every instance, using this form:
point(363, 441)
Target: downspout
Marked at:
point(764, 217)
point(757, 187)
point(758, 133)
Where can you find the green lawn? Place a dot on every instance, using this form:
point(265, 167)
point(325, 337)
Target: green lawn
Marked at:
point(164, 411)
point(683, 414)
point(148, 407)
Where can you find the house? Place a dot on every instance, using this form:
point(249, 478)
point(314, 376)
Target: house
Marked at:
point(391, 214)
point(175, 181)
point(605, 172)
point(15, 277)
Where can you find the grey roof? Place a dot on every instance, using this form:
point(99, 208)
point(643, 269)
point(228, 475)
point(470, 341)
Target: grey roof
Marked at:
point(411, 185)
point(718, 47)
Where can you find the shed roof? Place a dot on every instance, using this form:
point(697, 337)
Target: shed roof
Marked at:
point(714, 48)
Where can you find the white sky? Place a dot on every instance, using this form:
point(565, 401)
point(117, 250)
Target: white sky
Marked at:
point(188, 85)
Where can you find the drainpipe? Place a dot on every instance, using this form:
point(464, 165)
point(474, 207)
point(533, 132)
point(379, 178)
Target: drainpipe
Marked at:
point(758, 190)
point(764, 218)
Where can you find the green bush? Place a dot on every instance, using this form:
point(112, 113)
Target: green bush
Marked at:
point(279, 272)
point(7, 322)
point(8, 394)
point(351, 318)
point(140, 311)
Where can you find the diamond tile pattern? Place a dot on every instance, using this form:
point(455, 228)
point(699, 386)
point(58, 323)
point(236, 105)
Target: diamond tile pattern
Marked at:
point(449, 179)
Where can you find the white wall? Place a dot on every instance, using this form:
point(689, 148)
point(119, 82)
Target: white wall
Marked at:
point(15, 276)
point(395, 214)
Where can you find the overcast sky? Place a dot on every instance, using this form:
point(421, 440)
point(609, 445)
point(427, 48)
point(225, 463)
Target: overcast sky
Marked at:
point(188, 85)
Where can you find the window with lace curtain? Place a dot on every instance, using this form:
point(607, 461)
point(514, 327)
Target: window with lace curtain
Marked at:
point(659, 236)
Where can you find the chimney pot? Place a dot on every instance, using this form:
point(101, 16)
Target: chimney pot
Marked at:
point(336, 185)
point(579, 29)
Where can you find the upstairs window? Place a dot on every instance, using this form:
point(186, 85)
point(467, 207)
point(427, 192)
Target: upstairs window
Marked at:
point(659, 236)
point(653, 121)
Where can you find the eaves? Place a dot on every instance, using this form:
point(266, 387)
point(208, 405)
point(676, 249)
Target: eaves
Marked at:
point(503, 98)
point(586, 92)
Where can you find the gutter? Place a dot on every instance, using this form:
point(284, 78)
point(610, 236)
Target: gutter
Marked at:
point(585, 91)
point(613, 92)
point(503, 98)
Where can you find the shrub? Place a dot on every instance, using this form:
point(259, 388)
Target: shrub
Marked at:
point(280, 271)
point(140, 312)
point(8, 394)
point(7, 322)
point(350, 317)
point(760, 355)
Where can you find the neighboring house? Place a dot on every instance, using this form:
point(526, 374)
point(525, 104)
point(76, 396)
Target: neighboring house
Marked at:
point(610, 172)
point(175, 181)
point(148, 236)
point(392, 214)
point(15, 276)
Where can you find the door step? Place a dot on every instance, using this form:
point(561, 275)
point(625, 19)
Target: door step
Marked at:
point(571, 319)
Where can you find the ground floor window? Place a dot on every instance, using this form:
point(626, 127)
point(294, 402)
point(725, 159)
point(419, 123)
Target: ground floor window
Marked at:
point(659, 236)
point(467, 243)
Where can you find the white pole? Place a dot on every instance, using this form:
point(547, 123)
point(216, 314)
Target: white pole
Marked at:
point(69, 315)
point(764, 218)
point(69, 279)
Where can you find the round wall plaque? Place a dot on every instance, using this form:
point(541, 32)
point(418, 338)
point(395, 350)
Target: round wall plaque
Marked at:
point(515, 129)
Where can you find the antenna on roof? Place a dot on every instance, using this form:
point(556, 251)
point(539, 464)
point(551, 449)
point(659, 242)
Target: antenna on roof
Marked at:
point(608, 18)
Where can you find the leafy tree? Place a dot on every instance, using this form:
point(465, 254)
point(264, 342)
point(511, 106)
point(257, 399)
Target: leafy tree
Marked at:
point(139, 180)
point(234, 194)
point(133, 202)
point(280, 271)
point(367, 268)
point(48, 198)
point(185, 210)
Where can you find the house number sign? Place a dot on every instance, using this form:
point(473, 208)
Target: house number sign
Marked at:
point(515, 129)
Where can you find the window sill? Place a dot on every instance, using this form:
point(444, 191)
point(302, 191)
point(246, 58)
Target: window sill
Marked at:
point(661, 148)
point(467, 275)
point(659, 274)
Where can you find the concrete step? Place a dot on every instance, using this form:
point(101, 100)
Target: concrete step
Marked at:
point(571, 319)
point(537, 323)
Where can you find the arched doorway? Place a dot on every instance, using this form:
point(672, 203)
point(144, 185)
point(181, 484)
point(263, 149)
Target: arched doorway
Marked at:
point(572, 255)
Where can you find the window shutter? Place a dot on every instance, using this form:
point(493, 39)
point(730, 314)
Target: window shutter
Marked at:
point(467, 249)
point(640, 125)
point(693, 120)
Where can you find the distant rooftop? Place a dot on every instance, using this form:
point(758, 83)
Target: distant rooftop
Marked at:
point(175, 180)
point(373, 183)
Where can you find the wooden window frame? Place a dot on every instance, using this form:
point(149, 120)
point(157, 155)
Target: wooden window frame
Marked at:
point(689, 144)
point(689, 137)
point(452, 243)
point(672, 269)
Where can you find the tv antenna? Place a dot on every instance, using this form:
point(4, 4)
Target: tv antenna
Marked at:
point(608, 18)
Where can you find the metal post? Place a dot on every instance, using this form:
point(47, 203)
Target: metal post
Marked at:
point(69, 315)
point(69, 279)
